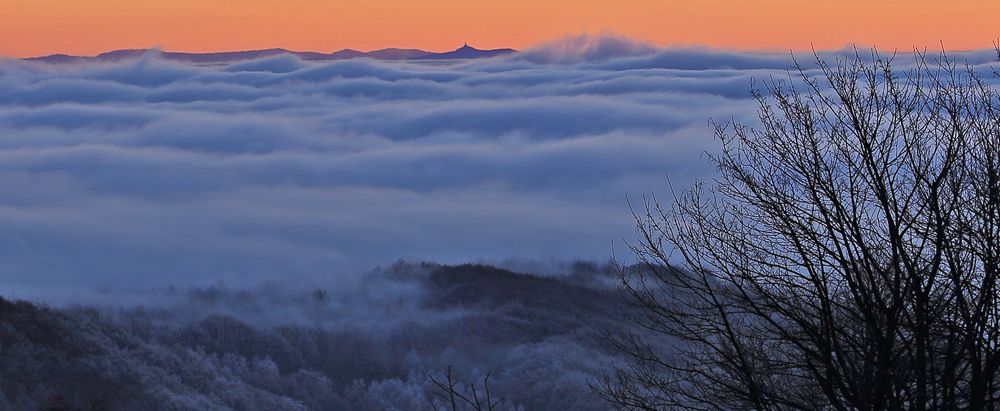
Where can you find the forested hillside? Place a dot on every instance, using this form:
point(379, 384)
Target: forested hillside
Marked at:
point(293, 348)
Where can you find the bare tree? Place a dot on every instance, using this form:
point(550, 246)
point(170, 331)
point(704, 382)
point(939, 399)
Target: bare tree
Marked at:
point(846, 257)
point(452, 392)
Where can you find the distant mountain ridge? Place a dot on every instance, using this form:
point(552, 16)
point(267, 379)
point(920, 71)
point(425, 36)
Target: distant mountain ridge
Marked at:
point(464, 52)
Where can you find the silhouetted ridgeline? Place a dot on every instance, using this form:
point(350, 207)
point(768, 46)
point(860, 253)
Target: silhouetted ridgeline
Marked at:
point(372, 347)
point(464, 52)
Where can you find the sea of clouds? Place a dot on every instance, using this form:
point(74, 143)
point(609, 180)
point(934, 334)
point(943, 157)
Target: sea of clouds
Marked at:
point(147, 172)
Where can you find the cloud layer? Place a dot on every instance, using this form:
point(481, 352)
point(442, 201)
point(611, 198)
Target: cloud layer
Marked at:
point(149, 172)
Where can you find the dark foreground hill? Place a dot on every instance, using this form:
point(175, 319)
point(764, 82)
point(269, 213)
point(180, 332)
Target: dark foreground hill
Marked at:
point(370, 347)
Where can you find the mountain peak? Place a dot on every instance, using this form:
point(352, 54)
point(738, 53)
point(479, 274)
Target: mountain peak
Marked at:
point(468, 52)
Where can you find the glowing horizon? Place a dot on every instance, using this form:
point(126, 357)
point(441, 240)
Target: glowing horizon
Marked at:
point(41, 27)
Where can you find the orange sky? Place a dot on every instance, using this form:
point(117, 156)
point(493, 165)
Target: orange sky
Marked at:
point(37, 27)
